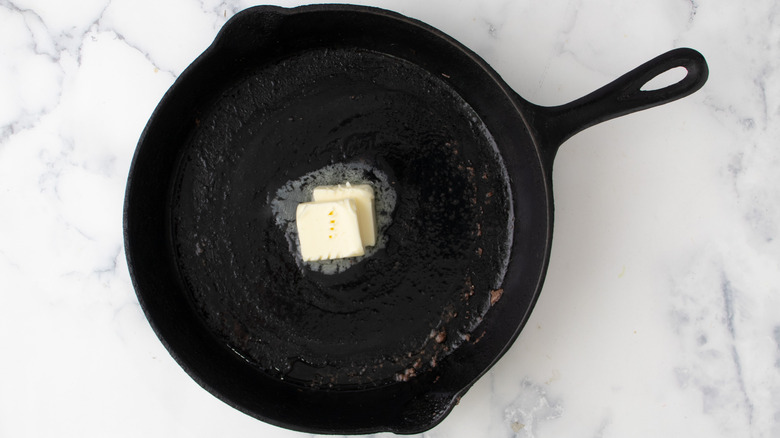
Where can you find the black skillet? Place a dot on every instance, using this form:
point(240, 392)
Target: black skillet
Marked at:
point(392, 342)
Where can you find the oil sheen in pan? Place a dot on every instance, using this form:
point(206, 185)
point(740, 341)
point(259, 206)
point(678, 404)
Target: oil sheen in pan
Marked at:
point(300, 190)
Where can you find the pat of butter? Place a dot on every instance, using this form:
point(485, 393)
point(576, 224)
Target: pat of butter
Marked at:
point(329, 230)
point(363, 195)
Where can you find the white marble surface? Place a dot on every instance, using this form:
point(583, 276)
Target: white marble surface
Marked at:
point(661, 311)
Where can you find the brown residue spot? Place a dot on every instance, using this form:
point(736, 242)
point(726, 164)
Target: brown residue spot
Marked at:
point(480, 337)
point(469, 288)
point(479, 229)
point(467, 337)
point(479, 252)
point(495, 295)
point(406, 375)
point(485, 176)
point(441, 336)
point(448, 314)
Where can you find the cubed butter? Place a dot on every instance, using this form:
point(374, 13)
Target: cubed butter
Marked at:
point(329, 230)
point(363, 195)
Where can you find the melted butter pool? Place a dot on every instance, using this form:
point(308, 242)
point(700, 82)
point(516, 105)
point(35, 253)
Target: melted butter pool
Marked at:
point(299, 190)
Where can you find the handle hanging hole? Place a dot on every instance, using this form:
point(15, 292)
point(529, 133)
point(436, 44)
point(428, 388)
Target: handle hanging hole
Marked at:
point(665, 79)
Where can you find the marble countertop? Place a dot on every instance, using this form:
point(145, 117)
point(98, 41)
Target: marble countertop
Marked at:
point(660, 315)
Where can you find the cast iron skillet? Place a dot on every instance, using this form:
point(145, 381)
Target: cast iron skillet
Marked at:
point(394, 340)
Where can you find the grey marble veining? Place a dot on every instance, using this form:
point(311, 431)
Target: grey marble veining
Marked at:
point(659, 316)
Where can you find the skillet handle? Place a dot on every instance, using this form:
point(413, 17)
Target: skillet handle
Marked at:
point(555, 125)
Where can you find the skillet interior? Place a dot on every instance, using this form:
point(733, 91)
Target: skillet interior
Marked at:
point(391, 315)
